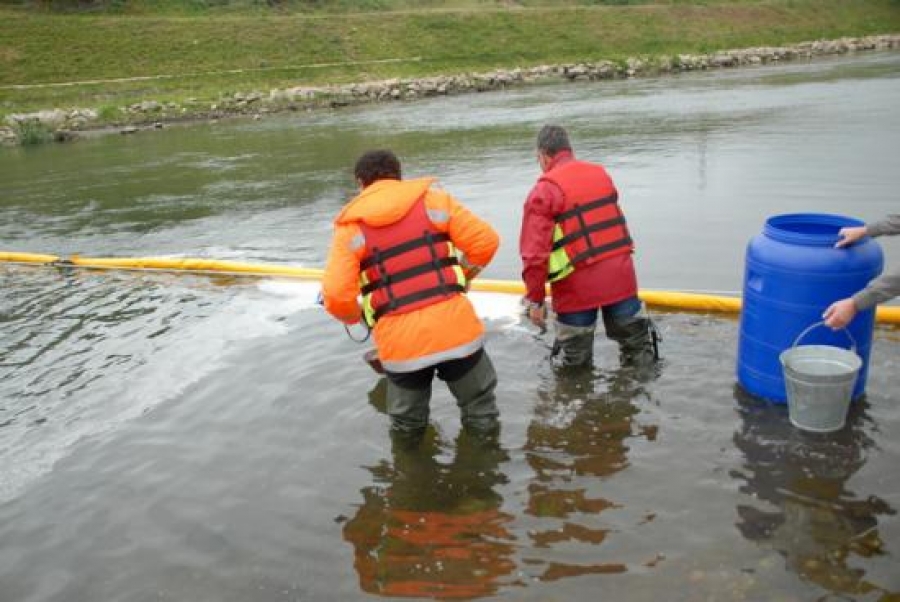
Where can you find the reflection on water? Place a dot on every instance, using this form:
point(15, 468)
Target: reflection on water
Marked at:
point(806, 512)
point(436, 528)
point(196, 437)
point(432, 528)
point(577, 439)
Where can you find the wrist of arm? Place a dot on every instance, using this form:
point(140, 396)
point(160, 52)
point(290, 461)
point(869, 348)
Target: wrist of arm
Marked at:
point(532, 304)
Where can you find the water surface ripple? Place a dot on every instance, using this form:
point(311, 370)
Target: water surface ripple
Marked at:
point(212, 438)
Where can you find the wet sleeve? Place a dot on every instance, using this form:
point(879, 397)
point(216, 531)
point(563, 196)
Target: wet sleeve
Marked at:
point(536, 238)
point(340, 283)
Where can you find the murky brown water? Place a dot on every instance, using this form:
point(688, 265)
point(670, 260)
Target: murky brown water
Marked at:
point(172, 437)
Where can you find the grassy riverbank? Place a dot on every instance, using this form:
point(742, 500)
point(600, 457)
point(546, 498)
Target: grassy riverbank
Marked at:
point(175, 51)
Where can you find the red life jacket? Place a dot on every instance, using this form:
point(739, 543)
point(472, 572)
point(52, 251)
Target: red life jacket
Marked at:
point(407, 265)
point(591, 227)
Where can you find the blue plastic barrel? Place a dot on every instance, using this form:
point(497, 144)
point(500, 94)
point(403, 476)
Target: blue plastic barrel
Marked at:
point(792, 273)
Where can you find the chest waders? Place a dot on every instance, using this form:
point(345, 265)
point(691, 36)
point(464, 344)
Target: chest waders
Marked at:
point(472, 381)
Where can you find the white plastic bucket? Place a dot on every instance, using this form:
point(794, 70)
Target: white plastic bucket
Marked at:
point(819, 382)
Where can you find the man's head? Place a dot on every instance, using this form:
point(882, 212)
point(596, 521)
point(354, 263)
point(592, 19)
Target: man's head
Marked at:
point(551, 140)
point(376, 165)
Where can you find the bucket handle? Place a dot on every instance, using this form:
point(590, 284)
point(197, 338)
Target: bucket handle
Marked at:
point(822, 323)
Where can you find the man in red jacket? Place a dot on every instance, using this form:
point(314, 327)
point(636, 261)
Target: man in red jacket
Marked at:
point(574, 236)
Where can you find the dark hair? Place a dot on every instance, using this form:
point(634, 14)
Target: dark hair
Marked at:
point(552, 139)
point(377, 165)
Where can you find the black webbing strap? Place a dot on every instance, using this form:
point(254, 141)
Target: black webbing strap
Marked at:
point(437, 291)
point(383, 277)
point(408, 273)
point(435, 260)
point(403, 247)
point(587, 254)
point(607, 200)
point(590, 252)
point(585, 231)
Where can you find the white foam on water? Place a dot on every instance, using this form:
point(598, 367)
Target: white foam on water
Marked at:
point(501, 307)
point(174, 361)
point(180, 358)
point(302, 294)
point(501, 311)
point(496, 306)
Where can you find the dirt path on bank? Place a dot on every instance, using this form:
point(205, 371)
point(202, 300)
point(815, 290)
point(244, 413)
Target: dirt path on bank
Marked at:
point(138, 78)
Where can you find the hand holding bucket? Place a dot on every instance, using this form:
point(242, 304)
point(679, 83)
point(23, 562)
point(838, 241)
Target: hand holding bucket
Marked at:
point(819, 380)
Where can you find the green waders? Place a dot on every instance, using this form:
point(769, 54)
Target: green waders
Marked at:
point(637, 339)
point(635, 335)
point(474, 393)
point(574, 345)
point(408, 408)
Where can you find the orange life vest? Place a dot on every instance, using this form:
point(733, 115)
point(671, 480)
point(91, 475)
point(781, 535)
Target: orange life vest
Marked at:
point(591, 227)
point(407, 265)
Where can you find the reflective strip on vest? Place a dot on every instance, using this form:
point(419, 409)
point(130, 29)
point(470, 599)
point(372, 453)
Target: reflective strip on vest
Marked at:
point(560, 264)
point(413, 364)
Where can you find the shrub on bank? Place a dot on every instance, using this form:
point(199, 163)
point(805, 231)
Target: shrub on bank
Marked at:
point(31, 132)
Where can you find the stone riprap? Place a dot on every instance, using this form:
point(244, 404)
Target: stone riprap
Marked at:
point(64, 124)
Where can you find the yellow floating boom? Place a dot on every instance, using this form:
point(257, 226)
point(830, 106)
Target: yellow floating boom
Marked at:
point(697, 302)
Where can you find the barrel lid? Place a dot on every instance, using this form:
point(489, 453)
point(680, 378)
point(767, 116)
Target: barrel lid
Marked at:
point(809, 229)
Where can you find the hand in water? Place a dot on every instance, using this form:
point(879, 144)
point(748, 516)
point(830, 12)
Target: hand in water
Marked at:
point(538, 316)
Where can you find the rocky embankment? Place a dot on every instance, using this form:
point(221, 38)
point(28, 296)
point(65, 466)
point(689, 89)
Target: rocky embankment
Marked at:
point(66, 124)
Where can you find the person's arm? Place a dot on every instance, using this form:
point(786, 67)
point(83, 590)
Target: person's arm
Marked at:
point(840, 313)
point(878, 291)
point(887, 286)
point(473, 236)
point(340, 282)
point(885, 227)
point(536, 244)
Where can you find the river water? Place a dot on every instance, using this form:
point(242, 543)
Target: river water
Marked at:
point(213, 438)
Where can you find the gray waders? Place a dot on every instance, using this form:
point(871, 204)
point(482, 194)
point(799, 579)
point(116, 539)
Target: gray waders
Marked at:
point(474, 393)
point(574, 345)
point(408, 408)
point(636, 336)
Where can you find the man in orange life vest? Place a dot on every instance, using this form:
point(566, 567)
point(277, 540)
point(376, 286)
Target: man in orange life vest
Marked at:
point(574, 235)
point(410, 249)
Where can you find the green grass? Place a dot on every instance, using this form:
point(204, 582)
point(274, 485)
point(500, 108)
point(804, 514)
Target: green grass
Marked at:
point(194, 47)
point(31, 133)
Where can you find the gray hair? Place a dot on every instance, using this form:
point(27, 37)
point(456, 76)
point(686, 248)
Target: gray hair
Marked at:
point(552, 139)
